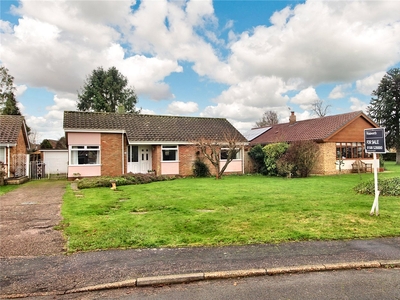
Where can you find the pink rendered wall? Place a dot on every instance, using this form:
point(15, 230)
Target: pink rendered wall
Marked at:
point(234, 166)
point(84, 171)
point(169, 168)
point(78, 138)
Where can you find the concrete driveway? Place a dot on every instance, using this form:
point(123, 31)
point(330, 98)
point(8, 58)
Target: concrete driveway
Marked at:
point(27, 217)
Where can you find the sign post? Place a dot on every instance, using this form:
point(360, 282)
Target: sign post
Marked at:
point(374, 141)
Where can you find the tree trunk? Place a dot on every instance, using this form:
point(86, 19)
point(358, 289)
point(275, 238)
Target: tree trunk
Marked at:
point(398, 156)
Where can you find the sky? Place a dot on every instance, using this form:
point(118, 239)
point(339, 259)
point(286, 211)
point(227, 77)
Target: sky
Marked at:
point(226, 59)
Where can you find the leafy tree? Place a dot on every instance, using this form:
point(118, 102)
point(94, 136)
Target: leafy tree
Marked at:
point(61, 143)
point(384, 108)
point(272, 153)
point(8, 103)
point(107, 91)
point(46, 144)
point(257, 154)
point(269, 118)
point(10, 106)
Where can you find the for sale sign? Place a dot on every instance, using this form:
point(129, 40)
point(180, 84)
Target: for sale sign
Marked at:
point(374, 140)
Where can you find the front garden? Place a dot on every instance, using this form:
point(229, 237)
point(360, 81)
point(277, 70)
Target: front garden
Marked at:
point(235, 210)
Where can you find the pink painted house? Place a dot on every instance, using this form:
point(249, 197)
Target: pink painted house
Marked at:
point(114, 144)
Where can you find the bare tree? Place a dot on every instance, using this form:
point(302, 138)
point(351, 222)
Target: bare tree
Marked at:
point(320, 108)
point(269, 118)
point(212, 150)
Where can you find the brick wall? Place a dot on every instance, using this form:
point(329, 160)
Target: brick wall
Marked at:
point(327, 158)
point(20, 148)
point(111, 154)
point(156, 159)
point(187, 156)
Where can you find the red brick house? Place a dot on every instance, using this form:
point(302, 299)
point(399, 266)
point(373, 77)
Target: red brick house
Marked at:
point(114, 144)
point(339, 137)
point(14, 145)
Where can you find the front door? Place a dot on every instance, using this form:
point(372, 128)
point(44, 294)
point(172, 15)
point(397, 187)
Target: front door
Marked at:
point(139, 159)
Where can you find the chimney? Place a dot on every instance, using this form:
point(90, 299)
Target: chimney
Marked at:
point(292, 118)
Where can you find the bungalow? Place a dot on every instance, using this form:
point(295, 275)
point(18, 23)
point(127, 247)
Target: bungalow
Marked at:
point(340, 138)
point(114, 144)
point(14, 145)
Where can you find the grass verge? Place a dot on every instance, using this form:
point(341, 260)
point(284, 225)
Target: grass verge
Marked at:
point(234, 210)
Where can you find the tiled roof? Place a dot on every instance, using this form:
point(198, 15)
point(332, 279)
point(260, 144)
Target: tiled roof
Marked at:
point(152, 128)
point(317, 129)
point(10, 126)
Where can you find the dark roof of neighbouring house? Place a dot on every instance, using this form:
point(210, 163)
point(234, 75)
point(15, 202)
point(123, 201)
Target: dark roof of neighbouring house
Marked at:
point(152, 128)
point(317, 129)
point(10, 125)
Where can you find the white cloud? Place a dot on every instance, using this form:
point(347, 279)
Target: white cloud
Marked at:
point(182, 108)
point(367, 85)
point(257, 92)
point(321, 41)
point(147, 112)
point(5, 27)
point(339, 91)
point(20, 89)
point(358, 105)
point(305, 98)
point(66, 40)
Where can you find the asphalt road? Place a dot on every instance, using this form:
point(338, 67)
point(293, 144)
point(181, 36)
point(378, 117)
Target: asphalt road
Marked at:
point(363, 284)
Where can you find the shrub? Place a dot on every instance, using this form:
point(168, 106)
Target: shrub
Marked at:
point(387, 187)
point(284, 167)
point(299, 159)
point(257, 154)
point(126, 179)
point(200, 168)
point(272, 153)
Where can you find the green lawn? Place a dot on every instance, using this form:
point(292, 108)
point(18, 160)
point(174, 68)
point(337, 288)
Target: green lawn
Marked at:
point(7, 188)
point(234, 210)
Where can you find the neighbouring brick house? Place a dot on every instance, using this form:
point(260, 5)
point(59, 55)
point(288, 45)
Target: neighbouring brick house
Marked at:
point(339, 137)
point(114, 144)
point(14, 145)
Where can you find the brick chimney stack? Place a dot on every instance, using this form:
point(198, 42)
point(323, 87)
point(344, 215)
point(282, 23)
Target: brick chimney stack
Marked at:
point(292, 118)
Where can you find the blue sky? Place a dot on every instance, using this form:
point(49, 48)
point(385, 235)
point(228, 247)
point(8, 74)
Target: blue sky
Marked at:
point(230, 59)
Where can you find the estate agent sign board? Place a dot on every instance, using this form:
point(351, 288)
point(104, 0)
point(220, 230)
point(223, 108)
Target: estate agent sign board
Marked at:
point(374, 141)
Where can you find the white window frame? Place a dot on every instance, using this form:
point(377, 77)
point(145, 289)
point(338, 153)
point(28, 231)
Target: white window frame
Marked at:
point(3, 154)
point(170, 148)
point(74, 157)
point(238, 154)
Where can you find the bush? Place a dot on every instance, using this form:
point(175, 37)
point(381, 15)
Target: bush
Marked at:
point(391, 156)
point(126, 179)
point(387, 187)
point(200, 168)
point(272, 153)
point(258, 156)
point(284, 167)
point(299, 159)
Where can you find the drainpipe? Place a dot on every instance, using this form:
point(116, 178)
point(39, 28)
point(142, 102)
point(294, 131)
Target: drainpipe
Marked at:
point(123, 154)
point(8, 160)
point(242, 159)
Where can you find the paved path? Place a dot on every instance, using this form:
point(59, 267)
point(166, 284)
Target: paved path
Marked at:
point(27, 217)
